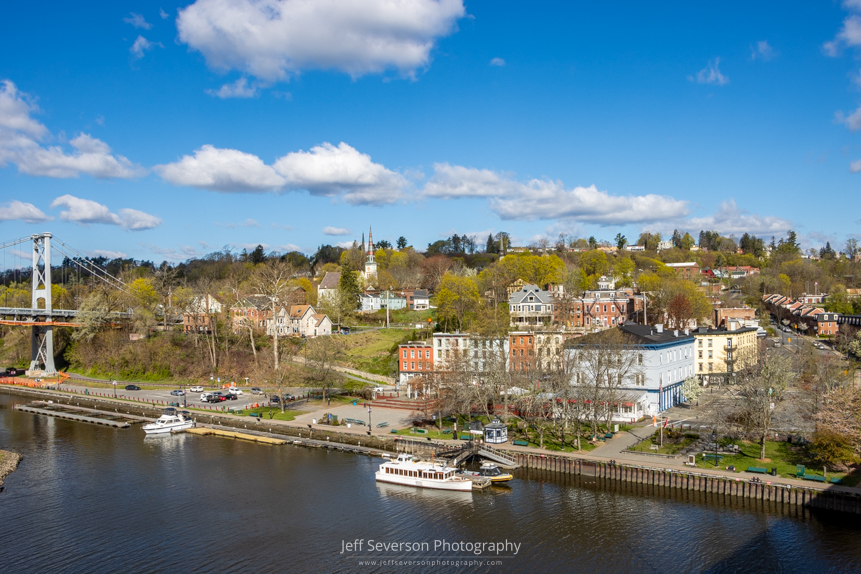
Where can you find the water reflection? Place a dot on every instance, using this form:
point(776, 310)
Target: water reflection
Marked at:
point(91, 498)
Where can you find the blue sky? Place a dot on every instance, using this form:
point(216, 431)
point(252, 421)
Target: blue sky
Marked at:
point(166, 131)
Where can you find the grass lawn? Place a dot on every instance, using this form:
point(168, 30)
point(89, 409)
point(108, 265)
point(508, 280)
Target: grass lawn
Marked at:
point(371, 351)
point(435, 434)
point(780, 455)
point(646, 445)
point(276, 414)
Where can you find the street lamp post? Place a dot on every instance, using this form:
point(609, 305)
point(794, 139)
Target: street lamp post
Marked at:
point(369, 420)
point(115, 388)
point(714, 441)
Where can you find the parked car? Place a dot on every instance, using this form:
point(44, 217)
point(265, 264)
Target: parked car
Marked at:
point(234, 391)
point(196, 389)
point(214, 399)
point(274, 399)
point(379, 389)
point(132, 388)
point(257, 391)
point(178, 393)
point(288, 397)
point(13, 372)
point(230, 397)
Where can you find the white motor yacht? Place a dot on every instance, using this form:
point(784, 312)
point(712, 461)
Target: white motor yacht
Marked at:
point(170, 421)
point(408, 471)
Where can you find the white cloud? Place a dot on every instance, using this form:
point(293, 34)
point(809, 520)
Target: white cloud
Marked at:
point(325, 170)
point(251, 246)
point(164, 15)
point(135, 220)
point(328, 170)
point(238, 89)
point(20, 143)
point(86, 211)
point(287, 248)
point(452, 181)
point(137, 21)
point(336, 231)
point(762, 51)
point(246, 223)
point(225, 170)
point(855, 166)
point(281, 226)
point(544, 199)
point(344, 244)
point(107, 254)
point(730, 219)
point(711, 74)
point(849, 35)
point(274, 39)
point(18, 210)
point(497, 62)
point(141, 46)
point(852, 121)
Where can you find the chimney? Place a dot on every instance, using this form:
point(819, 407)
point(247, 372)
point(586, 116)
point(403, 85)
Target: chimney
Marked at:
point(687, 331)
point(676, 333)
point(659, 327)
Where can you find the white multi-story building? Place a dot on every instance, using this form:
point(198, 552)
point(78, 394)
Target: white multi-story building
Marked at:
point(480, 351)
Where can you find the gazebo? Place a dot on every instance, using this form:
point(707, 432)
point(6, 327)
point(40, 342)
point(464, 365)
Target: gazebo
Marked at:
point(495, 432)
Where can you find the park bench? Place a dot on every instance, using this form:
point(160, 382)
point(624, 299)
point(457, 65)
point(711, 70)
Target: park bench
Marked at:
point(520, 443)
point(757, 470)
point(422, 431)
point(608, 435)
point(382, 425)
point(836, 480)
point(394, 431)
point(800, 470)
point(446, 431)
point(814, 477)
point(464, 437)
point(718, 457)
point(256, 415)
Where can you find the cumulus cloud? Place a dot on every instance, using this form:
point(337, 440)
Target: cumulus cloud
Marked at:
point(87, 211)
point(849, 34)
point(762, 51)
point(497, 62)
point(544, 199)
point(137, 21)
point(164, 15)
point(246, 223)
point(730, 219)
point(20, 143)
point(711, 74)
point(20, 211)
point(274, 39)
point(224, 170)
point(324, 170)
point(330, 170)
point(852, 121)
point(336, 231)
point(287, 248)
point(141, 46)
point(238, 89)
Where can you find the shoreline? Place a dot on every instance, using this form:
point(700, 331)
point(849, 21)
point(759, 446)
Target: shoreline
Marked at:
point(8, 464)
point(781, 491)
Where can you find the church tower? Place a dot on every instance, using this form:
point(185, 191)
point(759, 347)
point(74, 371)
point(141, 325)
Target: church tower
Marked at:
point(370, 264)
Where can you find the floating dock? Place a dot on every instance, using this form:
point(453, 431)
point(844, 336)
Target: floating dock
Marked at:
point(73, 417)
point(237, 435)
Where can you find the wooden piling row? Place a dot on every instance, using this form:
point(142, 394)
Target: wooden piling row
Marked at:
point(715, 487)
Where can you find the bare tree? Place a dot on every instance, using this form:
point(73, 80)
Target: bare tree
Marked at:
point(321, 356)
point(761, 390)
point(272, 280)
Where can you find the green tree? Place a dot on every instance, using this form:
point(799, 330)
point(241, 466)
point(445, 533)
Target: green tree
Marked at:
point(621, 241)
point(257, 256)
point(595, 263)
point(687, 242)
point(402, 243)
point(350, 291)
point(457, 299)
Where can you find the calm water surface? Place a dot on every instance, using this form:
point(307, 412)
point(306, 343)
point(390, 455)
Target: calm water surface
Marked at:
point(94, 499)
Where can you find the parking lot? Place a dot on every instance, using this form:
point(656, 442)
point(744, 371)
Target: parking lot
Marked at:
point(191, 399)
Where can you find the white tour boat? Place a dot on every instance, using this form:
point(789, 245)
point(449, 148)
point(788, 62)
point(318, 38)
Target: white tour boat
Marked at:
point(169, 422)
point(408, 471)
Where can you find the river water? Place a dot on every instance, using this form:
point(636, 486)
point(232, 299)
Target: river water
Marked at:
point(88, 498)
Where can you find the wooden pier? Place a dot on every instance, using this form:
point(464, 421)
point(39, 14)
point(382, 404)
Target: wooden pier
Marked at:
point(62, 414)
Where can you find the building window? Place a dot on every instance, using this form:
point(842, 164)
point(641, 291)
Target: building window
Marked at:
point(710, 342)
point(405, 365)
point(701, 367)
point(412, 354)
point(710, 354)
point(710, 367)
